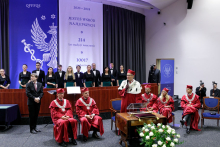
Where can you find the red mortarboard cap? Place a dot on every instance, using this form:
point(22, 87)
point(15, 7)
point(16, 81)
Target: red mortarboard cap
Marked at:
point(165, 89)
point(84, 90)
point(189, 86)
point(147, 86)
point(60, 90)
point(131, 72)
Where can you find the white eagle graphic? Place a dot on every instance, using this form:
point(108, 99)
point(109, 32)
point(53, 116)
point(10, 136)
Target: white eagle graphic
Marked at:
point(39, 37)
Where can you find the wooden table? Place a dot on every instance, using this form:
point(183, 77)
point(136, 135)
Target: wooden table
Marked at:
point(128, 124)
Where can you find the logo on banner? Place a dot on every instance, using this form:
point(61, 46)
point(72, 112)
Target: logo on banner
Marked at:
point(167, 69)
point(50, 48)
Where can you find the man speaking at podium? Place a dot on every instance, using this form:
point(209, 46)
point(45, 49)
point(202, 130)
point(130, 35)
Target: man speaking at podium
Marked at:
point(130, 91)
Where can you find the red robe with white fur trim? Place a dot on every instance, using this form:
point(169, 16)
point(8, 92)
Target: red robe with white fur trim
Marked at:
point(152, 101)
point(191, 110)
point(88, 107)
point(63, 128)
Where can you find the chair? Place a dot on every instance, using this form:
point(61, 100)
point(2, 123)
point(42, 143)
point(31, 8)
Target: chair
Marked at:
point(115, 108)
point(173, 115)
point(211, 104)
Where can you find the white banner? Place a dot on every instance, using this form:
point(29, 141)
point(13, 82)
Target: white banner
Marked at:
point(80, 34)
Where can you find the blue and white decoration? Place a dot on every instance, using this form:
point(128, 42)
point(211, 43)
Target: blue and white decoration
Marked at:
point(33, 36)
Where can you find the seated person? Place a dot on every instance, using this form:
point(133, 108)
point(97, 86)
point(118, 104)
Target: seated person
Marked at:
point(215, 91)
point(62, 117)
point(191, 104)
point(88, 112)
point(150, 99)
point(166, 105)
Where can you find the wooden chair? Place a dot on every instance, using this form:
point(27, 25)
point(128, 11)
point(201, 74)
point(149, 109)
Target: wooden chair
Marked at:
point(173, 115)
point(115, 108)
point(211, 104)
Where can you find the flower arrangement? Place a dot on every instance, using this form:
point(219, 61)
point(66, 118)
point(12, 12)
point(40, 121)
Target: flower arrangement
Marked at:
point(158, 135)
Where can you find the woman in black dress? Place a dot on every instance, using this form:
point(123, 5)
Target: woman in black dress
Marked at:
point(4, 80)
point(50, 78)
point(106, 78)
point(69, 79)
point(122, 75)
point(24, 77)
point(88, 78)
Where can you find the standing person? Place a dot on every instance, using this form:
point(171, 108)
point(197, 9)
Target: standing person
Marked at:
point(4, 80)
point(106, 78)
point(130, 91)
point(34, 92)
point(69, 78)
point(190, 104)
point(88, 114)
point(51, 78)
point(154, 75)
point(79, 76)
point(122, 75)
point(60, 77)
point(150, 99)
point(96, 74)
point(166, 105)
point(201, 91)
point(215, 91)
point(40, 74)
point(62, 117)
point(24, 77)
point(88, 78)
point(114, 74)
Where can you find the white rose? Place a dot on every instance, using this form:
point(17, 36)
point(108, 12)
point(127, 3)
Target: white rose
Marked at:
point(175, 140)
point(160, 142)
point(147, 137)
point(173, 132)
point(151, 134)
point(168, 139)
point(160, 130)
point(163, 126)
point(168, 131)
point(168, 126)
point(154, 145)
point(152, 127)
point(146, 130)
point(143, 128)
point(149, 125)
point(178, 135)
point(141, 134)
point(164, 145)
point(172, 144)
point(159, 124)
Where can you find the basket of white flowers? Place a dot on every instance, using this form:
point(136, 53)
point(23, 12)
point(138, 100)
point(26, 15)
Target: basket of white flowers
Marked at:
point(158, 135)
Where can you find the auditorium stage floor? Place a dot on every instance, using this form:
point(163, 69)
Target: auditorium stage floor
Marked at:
point(19, 136)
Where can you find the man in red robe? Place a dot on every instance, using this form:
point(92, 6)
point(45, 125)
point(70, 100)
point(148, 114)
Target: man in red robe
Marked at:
point(166, 105)
point(130, 91)
point(62, 117)
point(150, 99)
point(88, 112)
point(190, 103)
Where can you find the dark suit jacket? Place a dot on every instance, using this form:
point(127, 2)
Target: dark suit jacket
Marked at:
point(79, 80)
point(60, 80)
point(201, 93)
point(217, 92)
point(154, 77)
point(41, 77)
point(32, 93)
point(97, 78)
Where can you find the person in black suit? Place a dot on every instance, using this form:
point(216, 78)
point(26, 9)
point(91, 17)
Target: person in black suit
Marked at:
point(79, 76)
point(201, 91)
point(34, 92)
point(40, 74)
point(215, 91)
point(60, 77)
point(96, 74)
point(114, 74)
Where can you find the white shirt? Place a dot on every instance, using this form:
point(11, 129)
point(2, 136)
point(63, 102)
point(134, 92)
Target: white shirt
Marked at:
point(78, 75)
point(94, 72)
point(38, 72)
point(111, 71)
point(60, 72)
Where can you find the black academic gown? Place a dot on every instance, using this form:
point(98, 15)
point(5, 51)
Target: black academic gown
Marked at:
point(79, 79)
point(201, 93)
point(216, 93)
point(60, 79)
point(41, 77)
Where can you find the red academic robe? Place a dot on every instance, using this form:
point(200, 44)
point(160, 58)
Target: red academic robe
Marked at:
point(63, 128)
point(191, 110)
point(82, 110)
point(166, 111)
point(152, 101)
point(128, 98)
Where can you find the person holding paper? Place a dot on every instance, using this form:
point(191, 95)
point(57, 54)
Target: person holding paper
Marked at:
point(88, 78)
point(190, 104)
point(166, 105)
point(60, 77)
point(4, 80)
point(24, 77)
point(130, 91)
point(106, 78)
point(69, 79)
point(50, 78)
point(215, 91)
point(62, 116)
point(79, 76)
point(88, 114)
point(150, 99)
